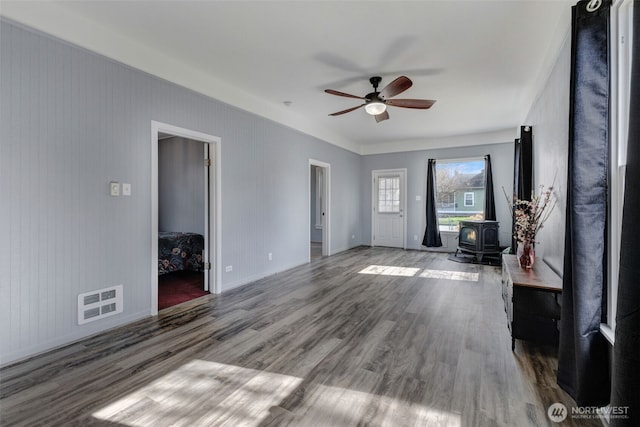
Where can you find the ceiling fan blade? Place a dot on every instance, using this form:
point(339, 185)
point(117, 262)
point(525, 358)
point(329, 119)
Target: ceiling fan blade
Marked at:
point(335, 92)
point(382, 116)
point(422, 104)
point(396, 87)
point(347, 110)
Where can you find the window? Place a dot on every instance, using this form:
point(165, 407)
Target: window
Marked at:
point(459, 191)
point(468, 199)
point(389, 194)
point(621, 36)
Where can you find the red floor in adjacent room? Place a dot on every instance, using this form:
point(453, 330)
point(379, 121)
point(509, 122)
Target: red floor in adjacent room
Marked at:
point(179, 286)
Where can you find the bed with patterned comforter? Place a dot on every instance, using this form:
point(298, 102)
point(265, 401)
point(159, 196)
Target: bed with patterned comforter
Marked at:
point(179, 251)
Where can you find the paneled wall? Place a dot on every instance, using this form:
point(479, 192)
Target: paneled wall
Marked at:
point(549, 116)
point(181, 178)
point(72, 121)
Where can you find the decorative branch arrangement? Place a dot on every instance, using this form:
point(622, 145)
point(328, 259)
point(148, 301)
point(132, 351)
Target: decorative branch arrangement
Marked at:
point(529, 217)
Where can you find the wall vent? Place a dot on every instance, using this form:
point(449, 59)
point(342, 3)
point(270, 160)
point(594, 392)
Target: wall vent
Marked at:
point(99, 304)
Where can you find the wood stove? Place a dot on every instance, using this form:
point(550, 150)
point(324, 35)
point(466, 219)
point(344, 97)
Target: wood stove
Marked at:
point(479, 238)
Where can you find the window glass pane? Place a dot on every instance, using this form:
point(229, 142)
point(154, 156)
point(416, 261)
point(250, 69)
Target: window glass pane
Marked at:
point(468, 199)
point(389, 194)
point(459, 192)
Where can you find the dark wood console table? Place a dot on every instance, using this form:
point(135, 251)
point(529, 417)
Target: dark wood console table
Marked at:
point(531, 301)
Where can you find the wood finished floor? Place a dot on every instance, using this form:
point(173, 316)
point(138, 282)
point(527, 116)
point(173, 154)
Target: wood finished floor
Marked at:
point(320, 345)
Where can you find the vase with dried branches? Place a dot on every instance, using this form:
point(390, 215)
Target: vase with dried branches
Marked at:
point(529, 217)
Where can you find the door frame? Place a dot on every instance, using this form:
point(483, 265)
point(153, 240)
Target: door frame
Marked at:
point(403, 190)
point(326, 196)
point(213, 205)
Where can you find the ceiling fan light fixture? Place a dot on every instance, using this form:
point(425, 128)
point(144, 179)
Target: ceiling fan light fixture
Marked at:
point(374, 108)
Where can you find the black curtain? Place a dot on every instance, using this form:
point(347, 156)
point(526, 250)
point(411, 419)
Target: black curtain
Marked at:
point(522, 172)
point(489, 201)
point(432, 232)
point(626, 351)
point(583, 366)
point(523, 179)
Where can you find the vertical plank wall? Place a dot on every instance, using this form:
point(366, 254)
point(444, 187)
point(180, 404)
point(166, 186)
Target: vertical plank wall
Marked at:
point(71, 121)
point(549, 116)
point(181, 167)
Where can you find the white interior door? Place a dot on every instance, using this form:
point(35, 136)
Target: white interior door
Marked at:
point(389, 205)
point(206, 256)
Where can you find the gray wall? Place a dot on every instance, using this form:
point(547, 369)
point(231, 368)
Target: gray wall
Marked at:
point(181, 172)
point(549, 116)
point(416, 164)
point(70, 122)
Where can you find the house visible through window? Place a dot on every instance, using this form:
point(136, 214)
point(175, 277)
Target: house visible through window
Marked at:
point(459, 192)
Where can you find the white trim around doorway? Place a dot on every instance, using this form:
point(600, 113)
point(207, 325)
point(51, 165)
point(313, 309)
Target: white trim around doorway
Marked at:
point(326, 229)
point(403, 179)
point(215, 212)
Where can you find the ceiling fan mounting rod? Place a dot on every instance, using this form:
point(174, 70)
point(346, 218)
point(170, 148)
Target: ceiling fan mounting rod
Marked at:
point(375, 81)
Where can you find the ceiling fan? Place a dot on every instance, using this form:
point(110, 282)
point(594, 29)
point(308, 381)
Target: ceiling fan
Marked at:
point(376, 102)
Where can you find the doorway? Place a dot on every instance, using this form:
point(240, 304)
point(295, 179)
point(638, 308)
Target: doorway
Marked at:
point(183, 214)
point(185, 211)
point(319, 212)
point(389, 222)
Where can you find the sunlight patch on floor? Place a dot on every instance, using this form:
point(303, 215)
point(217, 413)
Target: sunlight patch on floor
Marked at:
point(450, 275)
point(202, 393)
point(389, 270)
point(337, 406)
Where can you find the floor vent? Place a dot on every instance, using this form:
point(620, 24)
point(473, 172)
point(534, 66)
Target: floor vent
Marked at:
point(98, 304)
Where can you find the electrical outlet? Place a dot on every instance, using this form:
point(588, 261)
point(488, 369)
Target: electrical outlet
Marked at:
point(353, 236)
point(228, 268)
point(415, 237)
point(114, 188)
point(270, 256)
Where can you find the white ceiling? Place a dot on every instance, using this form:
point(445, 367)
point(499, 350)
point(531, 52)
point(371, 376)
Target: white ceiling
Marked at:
point(483, 61)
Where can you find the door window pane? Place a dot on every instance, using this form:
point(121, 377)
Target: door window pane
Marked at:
point(389, 194)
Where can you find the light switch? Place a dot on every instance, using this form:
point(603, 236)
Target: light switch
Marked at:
point(126, 189)
point(418, 198)
point(114, 188)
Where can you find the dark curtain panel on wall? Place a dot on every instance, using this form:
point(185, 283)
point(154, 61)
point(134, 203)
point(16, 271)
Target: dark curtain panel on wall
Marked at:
point(432, 232)
point(583, 367)
point(522, 172)
point(626, 351)
point(489, 201)
point(523, 180)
